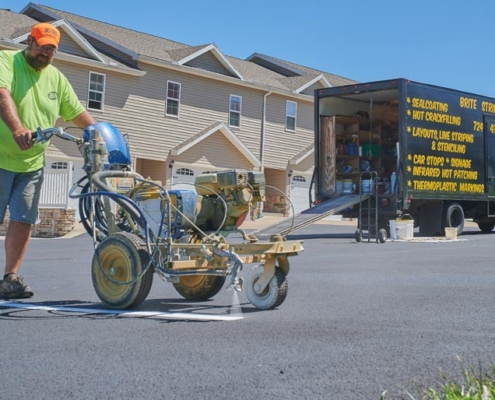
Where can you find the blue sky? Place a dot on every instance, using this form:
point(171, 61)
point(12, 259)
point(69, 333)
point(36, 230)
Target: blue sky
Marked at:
point(442, 42)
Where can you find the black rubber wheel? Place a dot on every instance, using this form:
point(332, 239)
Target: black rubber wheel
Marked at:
point(358, 235)
point(453, 217)
point(199, 287)
point(486, 226)
point(273, 295)
point(121, 257)
point(382, 235)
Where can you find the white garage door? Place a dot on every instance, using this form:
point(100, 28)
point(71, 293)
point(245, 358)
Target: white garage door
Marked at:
point(183, 177)
point(299, 192)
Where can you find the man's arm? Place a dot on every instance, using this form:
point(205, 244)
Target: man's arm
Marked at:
point(84, 119)
point(9, 115)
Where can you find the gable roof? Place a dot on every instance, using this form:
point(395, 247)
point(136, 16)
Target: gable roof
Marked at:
point(290, 69)
point(213, 128)
point(302, 155)
point(64, 27)
point(194, 52)
point(135, 47)
point(15, 28)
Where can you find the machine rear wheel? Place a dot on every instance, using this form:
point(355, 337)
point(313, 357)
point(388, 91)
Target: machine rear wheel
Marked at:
point(273, 295)
point(117, 271)
point(199, 287)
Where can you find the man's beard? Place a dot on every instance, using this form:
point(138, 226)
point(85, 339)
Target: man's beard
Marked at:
point(39, 62)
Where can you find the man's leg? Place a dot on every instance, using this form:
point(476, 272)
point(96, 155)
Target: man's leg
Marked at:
point(21, 193)
point(16, 243)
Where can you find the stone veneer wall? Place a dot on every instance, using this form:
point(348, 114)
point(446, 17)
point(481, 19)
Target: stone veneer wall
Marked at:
point(54, 222)
point(276, 204)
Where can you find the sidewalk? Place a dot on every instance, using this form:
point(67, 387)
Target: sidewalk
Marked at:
point(266, 220)
point(269, 219)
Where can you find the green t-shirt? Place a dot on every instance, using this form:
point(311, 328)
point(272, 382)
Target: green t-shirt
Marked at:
point(41, 97)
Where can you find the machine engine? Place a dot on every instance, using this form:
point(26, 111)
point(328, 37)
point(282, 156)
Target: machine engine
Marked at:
point(221, 201)
point(227, 197)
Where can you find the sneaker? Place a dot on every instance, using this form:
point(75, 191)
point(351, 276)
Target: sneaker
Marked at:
point(13, 287)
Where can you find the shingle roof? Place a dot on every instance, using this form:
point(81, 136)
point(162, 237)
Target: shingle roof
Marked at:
point(166, 50)
point(334, 80)
point(14, 24)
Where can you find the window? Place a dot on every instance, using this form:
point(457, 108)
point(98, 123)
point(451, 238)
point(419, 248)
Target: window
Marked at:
point(298, 178)
point(290, 112)
point(173, 98)
point(235, 111)
point(60, 165)
point(185, 171)
point(96, 95)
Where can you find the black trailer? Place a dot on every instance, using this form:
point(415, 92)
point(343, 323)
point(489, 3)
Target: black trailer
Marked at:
point(432, 148)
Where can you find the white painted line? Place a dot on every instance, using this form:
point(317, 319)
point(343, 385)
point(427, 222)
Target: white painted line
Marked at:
point(123, 313)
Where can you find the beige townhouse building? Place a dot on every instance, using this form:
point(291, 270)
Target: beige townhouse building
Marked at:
point(185, 109)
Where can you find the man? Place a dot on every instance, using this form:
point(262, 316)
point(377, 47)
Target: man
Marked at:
point(33, 93)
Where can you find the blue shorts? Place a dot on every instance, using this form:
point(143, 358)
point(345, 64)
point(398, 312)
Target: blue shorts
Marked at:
point(20, 191)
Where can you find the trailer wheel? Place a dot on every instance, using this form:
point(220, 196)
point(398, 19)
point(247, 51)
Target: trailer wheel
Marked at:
point(358, 235)
point(199, 287)
point(273, 295)
point(453, 217)
point(118, 271)
point(486, 226)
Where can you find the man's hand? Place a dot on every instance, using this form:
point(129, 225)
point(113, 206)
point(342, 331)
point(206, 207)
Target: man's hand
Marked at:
point(23, 139)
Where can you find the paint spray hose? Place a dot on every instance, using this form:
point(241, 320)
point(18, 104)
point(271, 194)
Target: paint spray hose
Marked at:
point(99, 219)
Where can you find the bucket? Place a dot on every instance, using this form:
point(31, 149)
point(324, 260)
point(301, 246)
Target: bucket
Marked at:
point(352, 149)
point(404, 228)
point(347, 186)
point(451, 233)
point(367, 186)
point(393, 229)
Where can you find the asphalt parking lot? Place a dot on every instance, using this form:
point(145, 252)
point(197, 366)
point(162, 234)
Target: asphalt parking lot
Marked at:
point(359, 318)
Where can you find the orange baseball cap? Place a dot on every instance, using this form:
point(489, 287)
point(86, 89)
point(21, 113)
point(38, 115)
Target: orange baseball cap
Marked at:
point(46, 34)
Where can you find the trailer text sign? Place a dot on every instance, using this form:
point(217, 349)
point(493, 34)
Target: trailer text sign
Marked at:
point(445, 151)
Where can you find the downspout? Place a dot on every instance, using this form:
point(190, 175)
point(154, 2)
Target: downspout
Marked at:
point(263, 127)
point(262, 145)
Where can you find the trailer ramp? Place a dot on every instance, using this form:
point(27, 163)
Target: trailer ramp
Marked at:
point(307, 217)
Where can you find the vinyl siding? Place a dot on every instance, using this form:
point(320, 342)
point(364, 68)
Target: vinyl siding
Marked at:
point(310, 91)
point(306, 166)
point(216, 151)
point(277, 179)
point(68, 45)
point(282, 145)
point(136, 106)
point(203, 102)
point(209, 62)
point(156, 170)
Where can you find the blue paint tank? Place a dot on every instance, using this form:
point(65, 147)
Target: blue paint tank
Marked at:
point(117, 146)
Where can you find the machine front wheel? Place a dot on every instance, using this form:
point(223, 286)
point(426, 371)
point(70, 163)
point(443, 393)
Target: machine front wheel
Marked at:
point(273, 295)
point(118, 273)
point(199, 287)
